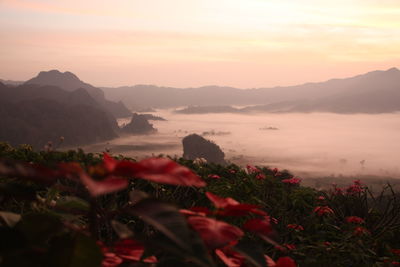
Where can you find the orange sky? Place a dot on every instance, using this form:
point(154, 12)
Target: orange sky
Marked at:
point(242, 43)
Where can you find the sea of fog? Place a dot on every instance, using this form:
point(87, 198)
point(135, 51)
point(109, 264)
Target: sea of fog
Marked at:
point(306, 144)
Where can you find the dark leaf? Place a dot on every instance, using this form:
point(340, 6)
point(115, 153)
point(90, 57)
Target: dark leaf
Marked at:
point(38, 228)
point(76, 250)
point(252, 253)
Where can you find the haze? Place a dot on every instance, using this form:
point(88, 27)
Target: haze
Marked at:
point(248, 43)
point(307, 144)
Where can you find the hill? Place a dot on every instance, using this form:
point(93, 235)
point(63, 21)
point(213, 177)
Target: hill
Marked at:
point(70, 82)
point(373, 92)
point(37, 114)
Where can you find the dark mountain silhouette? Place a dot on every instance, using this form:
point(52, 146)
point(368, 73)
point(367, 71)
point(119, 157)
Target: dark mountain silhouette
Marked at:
point(196, 146)
point(35, 114)
point(373, 92)
point(139, 125)
point(70, 82)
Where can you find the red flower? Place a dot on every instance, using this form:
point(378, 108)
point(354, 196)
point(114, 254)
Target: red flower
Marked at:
point(395, 251)
point(131, 250)
point(323, 210)
point(355, 188)
point(259, 226)
point(198, 211)
point(321, 198)
point(281, 262)
point(285, 262)
point(260, 176)
point(230, 258)
point(292, 181)
point(354, 219)
point(109, 162)
point(162, 170)
point(124, 250)
point(108, 185)
point(360, 231)
point(111, 260)
point(252, 169)
point(295, 227)
point(215, 234)
point(220, 202)
point(214, 176)
point(290, 246)
point(231, 207)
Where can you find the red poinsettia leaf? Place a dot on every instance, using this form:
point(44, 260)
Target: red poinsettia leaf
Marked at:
point(229, 261)
point(111, 260)
point(108, 185)
point(259, 226)
point(220, 202)
point(166, 171)
point(204, 210)
point(270, 262)
point(215, 234)
point(285, 262)
point(109, 162)
point(71, 170)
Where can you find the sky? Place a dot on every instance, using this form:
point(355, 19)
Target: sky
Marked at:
point(188, 43)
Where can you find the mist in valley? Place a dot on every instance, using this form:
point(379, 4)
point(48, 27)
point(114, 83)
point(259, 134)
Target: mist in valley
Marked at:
point(309, 145)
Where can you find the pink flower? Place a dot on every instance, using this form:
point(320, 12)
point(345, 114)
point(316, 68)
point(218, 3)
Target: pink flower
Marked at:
point(321, 198)
point(252, 169)
point(354, 219)
point(214, 176)
point(323, 210)
point(292, 181)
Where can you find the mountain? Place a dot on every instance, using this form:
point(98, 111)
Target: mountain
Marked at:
point(11, 82)
point(33, 114)
point(373, 92)
point(70, 82)
point(139, 125)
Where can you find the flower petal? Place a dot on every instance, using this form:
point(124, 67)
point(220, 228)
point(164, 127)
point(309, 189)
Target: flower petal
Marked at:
point(215, 234)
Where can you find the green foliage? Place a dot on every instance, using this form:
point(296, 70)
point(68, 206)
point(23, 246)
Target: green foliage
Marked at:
point(47, 225)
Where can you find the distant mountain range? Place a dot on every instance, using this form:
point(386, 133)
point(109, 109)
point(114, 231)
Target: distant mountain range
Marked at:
point(373, 92)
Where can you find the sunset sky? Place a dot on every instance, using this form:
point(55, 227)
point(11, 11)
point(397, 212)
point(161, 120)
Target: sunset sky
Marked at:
point(241, 43)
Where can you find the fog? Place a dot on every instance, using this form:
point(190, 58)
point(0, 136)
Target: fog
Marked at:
point(307, 144)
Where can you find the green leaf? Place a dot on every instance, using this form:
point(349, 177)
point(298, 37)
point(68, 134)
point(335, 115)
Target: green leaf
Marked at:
point(251, 252)
point(121, 229)
point(165, 218)
point(76, 250)
point(9, 219)
point(169, 221)
point(38, 228)
point(72, 203)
